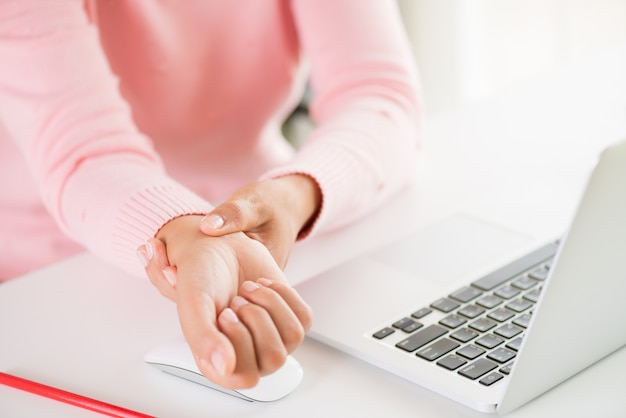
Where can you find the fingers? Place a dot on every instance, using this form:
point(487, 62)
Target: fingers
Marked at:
point(153, 256)
point(269, 349)
point(246, 372)
point(298, 306)
point(232, 216)
point(272, 320)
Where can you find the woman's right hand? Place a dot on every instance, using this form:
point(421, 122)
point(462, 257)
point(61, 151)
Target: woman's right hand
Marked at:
point(237, 311)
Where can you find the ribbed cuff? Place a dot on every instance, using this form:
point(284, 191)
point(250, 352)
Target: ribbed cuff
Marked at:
point(113, 207)
point(146, 213)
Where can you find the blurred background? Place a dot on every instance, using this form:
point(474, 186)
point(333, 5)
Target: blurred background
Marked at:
point(469, 49)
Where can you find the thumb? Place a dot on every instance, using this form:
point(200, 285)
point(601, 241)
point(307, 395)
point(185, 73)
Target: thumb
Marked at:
point(231, 216)
point(212, 350)
point(214, 356)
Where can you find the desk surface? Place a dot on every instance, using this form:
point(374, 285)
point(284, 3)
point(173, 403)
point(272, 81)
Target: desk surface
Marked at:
point(83, 326)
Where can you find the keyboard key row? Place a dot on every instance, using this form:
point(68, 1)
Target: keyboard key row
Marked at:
point(495, 279)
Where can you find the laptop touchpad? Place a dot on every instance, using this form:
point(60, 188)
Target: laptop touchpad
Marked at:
point(458, 247)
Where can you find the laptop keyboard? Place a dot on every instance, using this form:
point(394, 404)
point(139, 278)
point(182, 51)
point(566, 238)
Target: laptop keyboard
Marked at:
point(483, 323)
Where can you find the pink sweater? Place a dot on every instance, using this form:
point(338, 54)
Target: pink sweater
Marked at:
point(117, 116)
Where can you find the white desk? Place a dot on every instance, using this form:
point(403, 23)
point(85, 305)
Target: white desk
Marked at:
point(83, 326)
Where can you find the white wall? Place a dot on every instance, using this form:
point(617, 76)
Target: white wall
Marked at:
point(468, 49)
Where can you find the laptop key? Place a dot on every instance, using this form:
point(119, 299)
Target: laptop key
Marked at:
point(437, 349)
point(471, 311)
point(501, 355)
point(464, 335)
point(533, 295)
point(506, 369)
point(383, 333)
point(407, 325)
point(445, 305)
point(470, 352)
point(501, 314)
point(483, 324)
point(508, 331)
point(540, 273)
point(412, 327)
point(420, 313)
point(478, 368)
point(451, 362)
point(514, 344)
point(522, 320)
point(421, 338)
point(519, 305)
point(466, 294)
point(453, 321)
point(489, 341)
point(489, 301)
point(507, 292)
point(402, 323)
point(491, 378)
point(524, 283)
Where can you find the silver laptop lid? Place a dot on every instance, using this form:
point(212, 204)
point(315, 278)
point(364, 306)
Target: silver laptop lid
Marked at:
point(580, 317)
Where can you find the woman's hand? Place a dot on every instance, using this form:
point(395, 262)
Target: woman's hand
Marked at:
point(238, 313)
point(272, 211)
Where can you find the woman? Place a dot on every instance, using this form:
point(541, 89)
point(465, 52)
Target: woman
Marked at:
point(126, 122)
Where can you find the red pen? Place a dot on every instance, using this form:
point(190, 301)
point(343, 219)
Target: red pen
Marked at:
point(68, 397)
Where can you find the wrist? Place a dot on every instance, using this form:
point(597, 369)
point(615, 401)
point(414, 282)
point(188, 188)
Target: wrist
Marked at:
point(180, 233)
point(304, 199)
point(178, 229)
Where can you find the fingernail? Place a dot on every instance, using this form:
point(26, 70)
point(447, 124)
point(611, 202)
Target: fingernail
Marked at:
point(149, 250)
point(230, 315)
point(214, 221)
point(238, 302)
point(145, 253)
point(169, 277)
point(264, 282)
point(217, 360)
point(249, 286)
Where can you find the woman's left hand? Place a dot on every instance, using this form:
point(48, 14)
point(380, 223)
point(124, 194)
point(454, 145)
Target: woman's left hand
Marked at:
point(272, 211)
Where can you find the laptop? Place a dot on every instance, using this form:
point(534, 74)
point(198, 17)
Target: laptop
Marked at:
point(450, 309)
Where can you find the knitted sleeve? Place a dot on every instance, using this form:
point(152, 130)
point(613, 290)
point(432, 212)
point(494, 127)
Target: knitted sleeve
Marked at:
point(98, 176)
point(365, 105)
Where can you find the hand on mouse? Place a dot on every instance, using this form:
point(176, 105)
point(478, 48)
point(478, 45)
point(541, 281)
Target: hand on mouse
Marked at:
point(238, 313)
point(272, 211)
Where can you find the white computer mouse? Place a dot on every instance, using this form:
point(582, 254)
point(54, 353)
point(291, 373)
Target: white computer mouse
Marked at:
point(175, 358)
